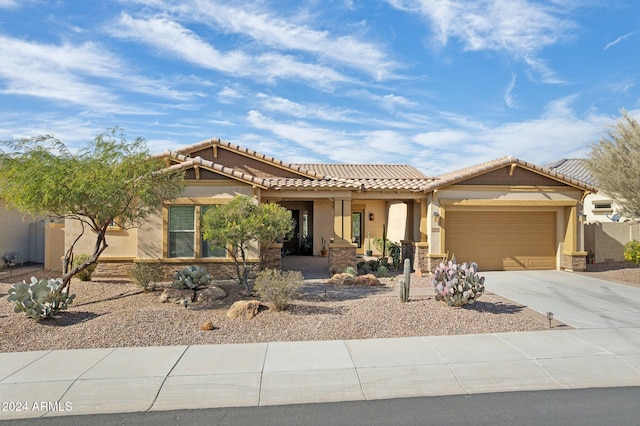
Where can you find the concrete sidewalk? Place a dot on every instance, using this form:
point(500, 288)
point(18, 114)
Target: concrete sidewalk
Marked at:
point(73, 382)
point(603, 351)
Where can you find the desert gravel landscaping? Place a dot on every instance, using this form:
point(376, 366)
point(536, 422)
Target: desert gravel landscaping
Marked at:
point(116, 313)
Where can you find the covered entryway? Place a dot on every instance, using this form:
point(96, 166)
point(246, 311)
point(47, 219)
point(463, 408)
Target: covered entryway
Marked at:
point(502, 240)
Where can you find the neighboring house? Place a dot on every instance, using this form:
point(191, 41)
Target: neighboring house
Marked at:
point(606, 230)
point(598, 207)
point(503, 214)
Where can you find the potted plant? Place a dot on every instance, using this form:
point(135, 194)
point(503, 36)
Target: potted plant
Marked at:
point(323, 250)
point(369, 252)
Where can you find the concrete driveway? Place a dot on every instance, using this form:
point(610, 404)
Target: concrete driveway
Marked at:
point(576, 300)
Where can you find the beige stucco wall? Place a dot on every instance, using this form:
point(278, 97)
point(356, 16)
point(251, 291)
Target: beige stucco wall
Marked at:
point(322, 223)
point(54, 249)
point(21, 233)
point(121, 242)
point(607, 240)
point(398, 227)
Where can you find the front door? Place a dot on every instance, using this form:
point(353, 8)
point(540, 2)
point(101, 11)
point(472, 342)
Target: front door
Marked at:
point(357, 229)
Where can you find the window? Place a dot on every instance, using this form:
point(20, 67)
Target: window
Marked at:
point(356, 228)
point(602, 206)
point(182, 224)
point(184, 228)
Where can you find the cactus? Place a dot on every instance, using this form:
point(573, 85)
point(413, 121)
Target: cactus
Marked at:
point(458, 284)
point(39, 299)
point(405, 284)
point(191, 278)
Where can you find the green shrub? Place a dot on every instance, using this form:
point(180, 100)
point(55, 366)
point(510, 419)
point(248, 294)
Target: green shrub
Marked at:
point(632, 251)
point(39, 299)
point(458, 284)
point(86, 274)
point(278, 288)
point(147, 275)
point(191, 278)
point(351, 271)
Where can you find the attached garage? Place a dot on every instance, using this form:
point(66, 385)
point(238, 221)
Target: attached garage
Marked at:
point(502, 240)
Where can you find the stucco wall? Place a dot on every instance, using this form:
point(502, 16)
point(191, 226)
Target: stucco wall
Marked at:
point(21, 233)
point(607, 240)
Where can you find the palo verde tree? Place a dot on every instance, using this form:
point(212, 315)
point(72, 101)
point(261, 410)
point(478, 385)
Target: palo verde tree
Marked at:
point(111, 181)
point(614, 163)
point(241, 222)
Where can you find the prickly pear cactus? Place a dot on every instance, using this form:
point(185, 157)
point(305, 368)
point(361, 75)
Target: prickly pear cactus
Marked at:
point(458, 284)
point(191, 278)
point(39, 299)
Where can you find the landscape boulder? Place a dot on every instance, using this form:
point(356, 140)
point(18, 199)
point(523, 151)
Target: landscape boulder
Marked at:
point(173, 295)
point(367, 280)
point(246, 309)
point(342, 279)
point(210, 293)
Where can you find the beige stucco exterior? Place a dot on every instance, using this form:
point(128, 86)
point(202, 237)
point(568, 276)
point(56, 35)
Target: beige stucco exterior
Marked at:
point(323, 207)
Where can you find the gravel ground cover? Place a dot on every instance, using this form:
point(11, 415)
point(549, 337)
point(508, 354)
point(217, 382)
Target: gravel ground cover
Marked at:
point(116, 313)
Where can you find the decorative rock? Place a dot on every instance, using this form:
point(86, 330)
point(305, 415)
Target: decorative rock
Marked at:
point(210, 293)
point(207, 326)
point(173, 295)
point(342, 279)
point(367, 280)
point(246, 309)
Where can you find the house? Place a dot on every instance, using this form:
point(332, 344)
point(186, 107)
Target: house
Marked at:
point(606, 229)
point(503, 214)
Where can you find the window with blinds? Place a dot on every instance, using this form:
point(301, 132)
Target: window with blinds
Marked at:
point(182, 222)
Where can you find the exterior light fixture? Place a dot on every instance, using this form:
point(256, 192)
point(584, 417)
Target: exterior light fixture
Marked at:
point(549, 317)
point(436, 217)
point(370, 216)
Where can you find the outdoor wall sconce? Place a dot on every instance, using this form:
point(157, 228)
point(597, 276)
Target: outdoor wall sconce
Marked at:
point(370, 216)
point(436, 217)
point(582, 217)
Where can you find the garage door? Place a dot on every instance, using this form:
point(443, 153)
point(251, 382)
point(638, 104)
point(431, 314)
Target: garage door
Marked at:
point(503, 240)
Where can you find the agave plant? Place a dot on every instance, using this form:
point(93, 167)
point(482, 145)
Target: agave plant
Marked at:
point(458, 284)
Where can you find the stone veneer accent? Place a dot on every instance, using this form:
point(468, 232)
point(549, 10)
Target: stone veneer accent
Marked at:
point(341, 257)
point(421, 260)
point(272, 257)
point(217, 270)
point(574, 262)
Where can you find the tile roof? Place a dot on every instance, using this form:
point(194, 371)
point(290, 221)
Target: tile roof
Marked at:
point(369, 177)
point(186, 150)
point(573, 167)
point(457, 176)
point(366, 171)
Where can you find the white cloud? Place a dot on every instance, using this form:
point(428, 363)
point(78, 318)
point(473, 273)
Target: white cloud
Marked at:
point(74, 74)
point(276, 32)
point(170, 37)
point(519, 27)
point(619, 39)
point(508, 93)
point(8, 4)
point(308, 111)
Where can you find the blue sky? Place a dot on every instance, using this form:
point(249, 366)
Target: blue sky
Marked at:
point(438, 84)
